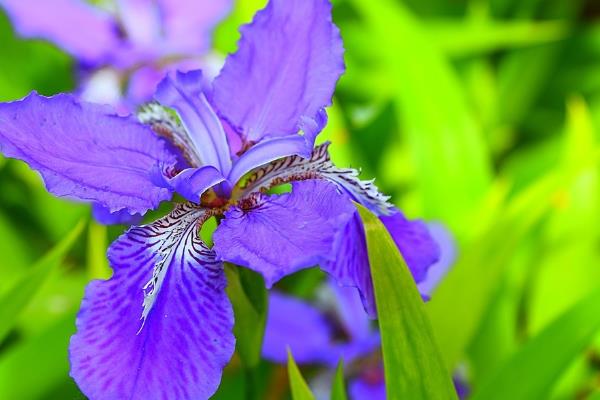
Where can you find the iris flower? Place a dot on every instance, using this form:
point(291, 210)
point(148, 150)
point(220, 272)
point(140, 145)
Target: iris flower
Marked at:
point(335, 327)
point(161, 326)
point(130, 44)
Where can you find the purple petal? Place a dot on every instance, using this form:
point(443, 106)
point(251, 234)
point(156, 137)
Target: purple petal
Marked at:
point(141, 20)
point(351, 312)
point(265, 152)
point(184, 93)
point(105, 217)
point(280, 234)
point(85, 153)
point(351, 265)
point(142, 84)
point(191, 183)
point(367, 388)
point(284, 72)
point(186, 339)
point(84, 31)
point(308, 334)
point(418, 248)
point(317, 164)
point(187, 29)
point(438, 271)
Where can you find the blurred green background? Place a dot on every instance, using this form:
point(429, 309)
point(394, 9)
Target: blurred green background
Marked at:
point(481, 114)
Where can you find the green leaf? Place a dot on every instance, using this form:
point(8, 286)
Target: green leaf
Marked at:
point(32, 368)
point(414, 367)
point(532, 372)
point(300, 390)
point(470, 285)
point(338, 387)
point(248, 295)
point(15, 299)
point(459, 39)
point(97, 262)
point(446, 145)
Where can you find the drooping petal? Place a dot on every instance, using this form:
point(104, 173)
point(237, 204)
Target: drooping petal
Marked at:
point(318, 165)
point(284, 72)
point(438, 271)
point(351, 265)
point(415, 242)
point(105, 217)
point(184, 93)
point(351, 311)
point(84, 152)
point(164, 273)
point(308, 334)
point(280, 234)
point(85, 31)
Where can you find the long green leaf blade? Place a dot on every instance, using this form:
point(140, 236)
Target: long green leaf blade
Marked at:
point(15, 299)
point(248, 295)
point(524, 377)
point(338, 388)
point(300, 390)
point(414, 368)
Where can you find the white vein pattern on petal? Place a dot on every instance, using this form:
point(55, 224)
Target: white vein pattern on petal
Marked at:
point(166, 125)
point(319, 166)
point(169, 238)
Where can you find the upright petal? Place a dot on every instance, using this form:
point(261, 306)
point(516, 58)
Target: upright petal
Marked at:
point(284, 72)
point(165, 274)
point(351, 265)
point(185, 93)
point(86, 32)
point(308, 334)
point(83, 152)
point(281, 234)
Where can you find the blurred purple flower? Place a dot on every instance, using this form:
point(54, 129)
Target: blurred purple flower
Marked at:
point(128, 44)
point(161, 326)
point(337, 328)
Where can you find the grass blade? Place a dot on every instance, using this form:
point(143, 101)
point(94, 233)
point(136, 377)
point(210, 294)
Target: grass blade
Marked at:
point(414, 367)
point(15, 299)
point(300, 390)
point(338, 388)
point(524, 377)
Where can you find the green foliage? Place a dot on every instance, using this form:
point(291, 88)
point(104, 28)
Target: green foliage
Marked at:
point(248, 296)
point(15, 299)
point(557, 345)
point(414, 368)
point(338, 387)
point(298, 386)
point(482, 115)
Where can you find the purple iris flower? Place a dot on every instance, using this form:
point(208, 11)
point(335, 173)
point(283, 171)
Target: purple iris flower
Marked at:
point(161, 327)
point(335, 327)
point(129, 44)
